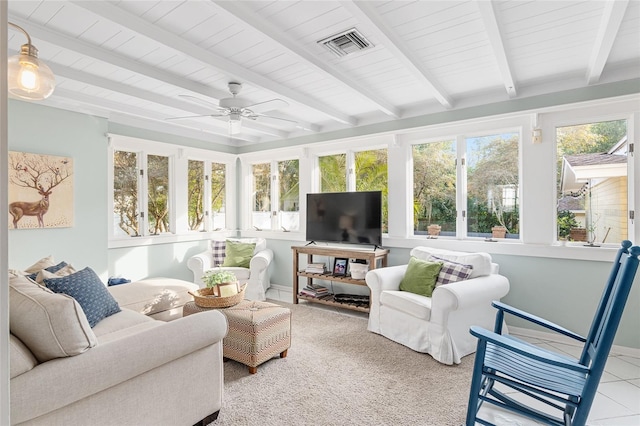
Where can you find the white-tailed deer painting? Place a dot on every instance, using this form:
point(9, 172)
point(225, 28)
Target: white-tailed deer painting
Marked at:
point(40, 185)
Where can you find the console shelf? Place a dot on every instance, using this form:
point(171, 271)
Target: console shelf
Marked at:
point(375, 258)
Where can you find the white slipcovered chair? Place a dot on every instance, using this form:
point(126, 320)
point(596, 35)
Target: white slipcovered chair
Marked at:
point(437, 325)
point(256, 276)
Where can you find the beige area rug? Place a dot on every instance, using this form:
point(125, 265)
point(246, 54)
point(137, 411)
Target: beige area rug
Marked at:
point(338, 373)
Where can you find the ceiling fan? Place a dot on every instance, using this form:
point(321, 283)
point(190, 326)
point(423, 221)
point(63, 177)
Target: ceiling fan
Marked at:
point(238, 108)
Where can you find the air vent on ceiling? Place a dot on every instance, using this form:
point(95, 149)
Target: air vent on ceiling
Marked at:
point(346, 42)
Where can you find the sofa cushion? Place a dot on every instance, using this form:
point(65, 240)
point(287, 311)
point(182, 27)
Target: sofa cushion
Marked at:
point(410, 303)
point(218, 251)
point(153, 295)
point(56, 273)
point(420, 277)
point(21, 358)
point(85, 286)
point(51, 325)
point(481, 262)
point(124, 323)
point(43, 263)
point(451, 272)
point(238, 254)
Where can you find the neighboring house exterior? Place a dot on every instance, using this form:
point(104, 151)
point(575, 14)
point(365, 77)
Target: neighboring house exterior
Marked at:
point(601, 180)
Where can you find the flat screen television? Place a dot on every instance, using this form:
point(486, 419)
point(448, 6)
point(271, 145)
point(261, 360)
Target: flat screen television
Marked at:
point(345, 217)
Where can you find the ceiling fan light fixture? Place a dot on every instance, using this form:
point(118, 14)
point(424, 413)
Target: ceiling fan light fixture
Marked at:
point(27, 76)
point(235, 123)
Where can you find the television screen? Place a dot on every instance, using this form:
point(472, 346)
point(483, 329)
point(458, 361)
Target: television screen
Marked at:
point(345, 217)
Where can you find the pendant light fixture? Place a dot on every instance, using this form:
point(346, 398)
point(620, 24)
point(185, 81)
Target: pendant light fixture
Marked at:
point(28, 77)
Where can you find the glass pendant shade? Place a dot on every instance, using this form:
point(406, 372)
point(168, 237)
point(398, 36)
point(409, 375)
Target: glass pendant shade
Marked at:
point(235, 125)
point(27, 77)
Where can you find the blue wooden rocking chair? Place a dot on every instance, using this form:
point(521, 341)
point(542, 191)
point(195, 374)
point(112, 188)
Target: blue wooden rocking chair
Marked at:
point(565, 384)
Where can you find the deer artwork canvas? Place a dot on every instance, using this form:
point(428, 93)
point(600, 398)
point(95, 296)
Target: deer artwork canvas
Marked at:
point(40, 191)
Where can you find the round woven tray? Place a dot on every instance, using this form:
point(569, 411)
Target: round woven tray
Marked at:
point(205, 298)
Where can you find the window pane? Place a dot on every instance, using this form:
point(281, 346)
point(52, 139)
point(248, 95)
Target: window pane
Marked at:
point(125, 193)
point(261, 217)
point(195, 195)
point(158, 198)
point(371, 175)
point(289, 194)
point(333, 173)
point(218, 194)
point(493, 185)
point(592, 182)
point(434, 188)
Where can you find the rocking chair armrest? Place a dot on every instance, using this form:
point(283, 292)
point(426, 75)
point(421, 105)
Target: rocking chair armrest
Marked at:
point(536, 320)
point(526, 350)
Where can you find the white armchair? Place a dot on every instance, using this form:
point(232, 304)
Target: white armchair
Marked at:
point(256, 276)
point(437, 325)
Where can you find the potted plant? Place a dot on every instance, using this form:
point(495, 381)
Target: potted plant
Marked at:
point(216, 278)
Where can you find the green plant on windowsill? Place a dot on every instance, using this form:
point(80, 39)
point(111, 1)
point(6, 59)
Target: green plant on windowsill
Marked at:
point(214, 277)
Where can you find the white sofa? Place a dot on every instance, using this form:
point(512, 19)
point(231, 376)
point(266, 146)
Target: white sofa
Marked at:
point(256, 276)
point(437, 325)
point(129, 369)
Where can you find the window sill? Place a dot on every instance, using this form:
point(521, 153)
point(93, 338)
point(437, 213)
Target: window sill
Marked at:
point(151, 240)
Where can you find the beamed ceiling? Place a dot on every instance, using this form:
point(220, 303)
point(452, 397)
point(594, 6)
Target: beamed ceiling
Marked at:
point(142, 63)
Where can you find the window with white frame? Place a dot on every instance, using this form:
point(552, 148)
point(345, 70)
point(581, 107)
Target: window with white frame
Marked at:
point(592, 182)
point(488, 196)
point(165, 189)
point(275, 195)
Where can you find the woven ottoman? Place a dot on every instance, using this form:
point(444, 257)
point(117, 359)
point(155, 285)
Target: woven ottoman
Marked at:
point(258, 331)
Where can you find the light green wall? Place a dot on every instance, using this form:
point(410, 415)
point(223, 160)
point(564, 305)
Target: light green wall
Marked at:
point(39, 129)
point(563, 291)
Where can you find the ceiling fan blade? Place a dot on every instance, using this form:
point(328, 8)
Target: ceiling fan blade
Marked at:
point(268, 105)
point(200, 101)
point(195, 116)
point(274, 118)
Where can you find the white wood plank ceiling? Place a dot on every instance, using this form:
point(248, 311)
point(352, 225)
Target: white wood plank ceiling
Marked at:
point(132, 60)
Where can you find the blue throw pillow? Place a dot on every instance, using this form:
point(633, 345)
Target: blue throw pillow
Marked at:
point(92, 295)
point(53, 269)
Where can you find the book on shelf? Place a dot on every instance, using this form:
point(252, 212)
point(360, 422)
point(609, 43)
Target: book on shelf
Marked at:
point(315, 268)
point(315, 291)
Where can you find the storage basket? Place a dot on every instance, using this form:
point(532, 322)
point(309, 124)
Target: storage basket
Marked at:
point(205, 298)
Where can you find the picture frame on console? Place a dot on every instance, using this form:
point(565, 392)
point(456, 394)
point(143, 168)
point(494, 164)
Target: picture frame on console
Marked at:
point(340, 267)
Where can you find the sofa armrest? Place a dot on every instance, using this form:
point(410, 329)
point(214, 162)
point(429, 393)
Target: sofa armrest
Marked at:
point(114, 362)
point(467, 294)
point(260, 261)
point(198, 264)
point(379, 280)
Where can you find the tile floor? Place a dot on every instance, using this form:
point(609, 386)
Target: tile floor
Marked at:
point(617, 402)
point(618, 399)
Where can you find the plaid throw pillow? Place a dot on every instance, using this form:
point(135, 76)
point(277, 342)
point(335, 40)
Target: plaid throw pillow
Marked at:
point(218, 251)
point(451, 271)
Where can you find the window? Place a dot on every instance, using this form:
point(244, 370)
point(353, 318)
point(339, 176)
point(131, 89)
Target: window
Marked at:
point(218, 195)
point(261, 200)
point(161, 190)
point(434, 187)
point(491, 179)
point(592, 182)
point(125, 193)
point(493, 185)
point(158, 194)
point(288, 195)
point(333, 173)
point(371, 175)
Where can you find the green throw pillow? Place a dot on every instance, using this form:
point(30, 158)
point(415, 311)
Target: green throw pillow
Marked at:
point(420, 277)
point(239, 254)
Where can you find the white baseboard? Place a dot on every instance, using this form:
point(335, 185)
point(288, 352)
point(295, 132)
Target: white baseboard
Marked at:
point(543, 335)
point(280, 293)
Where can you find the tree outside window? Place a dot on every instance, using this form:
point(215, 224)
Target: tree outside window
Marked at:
point(434, 187)
point(218, 192)
point(371, 175)
point(125, 193)
point(158, 194)
point(493, 185)
point(333, 173)
point(261, 200)
point(289, 194)
point(195, 197)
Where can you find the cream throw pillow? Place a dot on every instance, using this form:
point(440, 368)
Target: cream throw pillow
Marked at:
point(51, 325)
point(45, 262)
point(66, 270)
